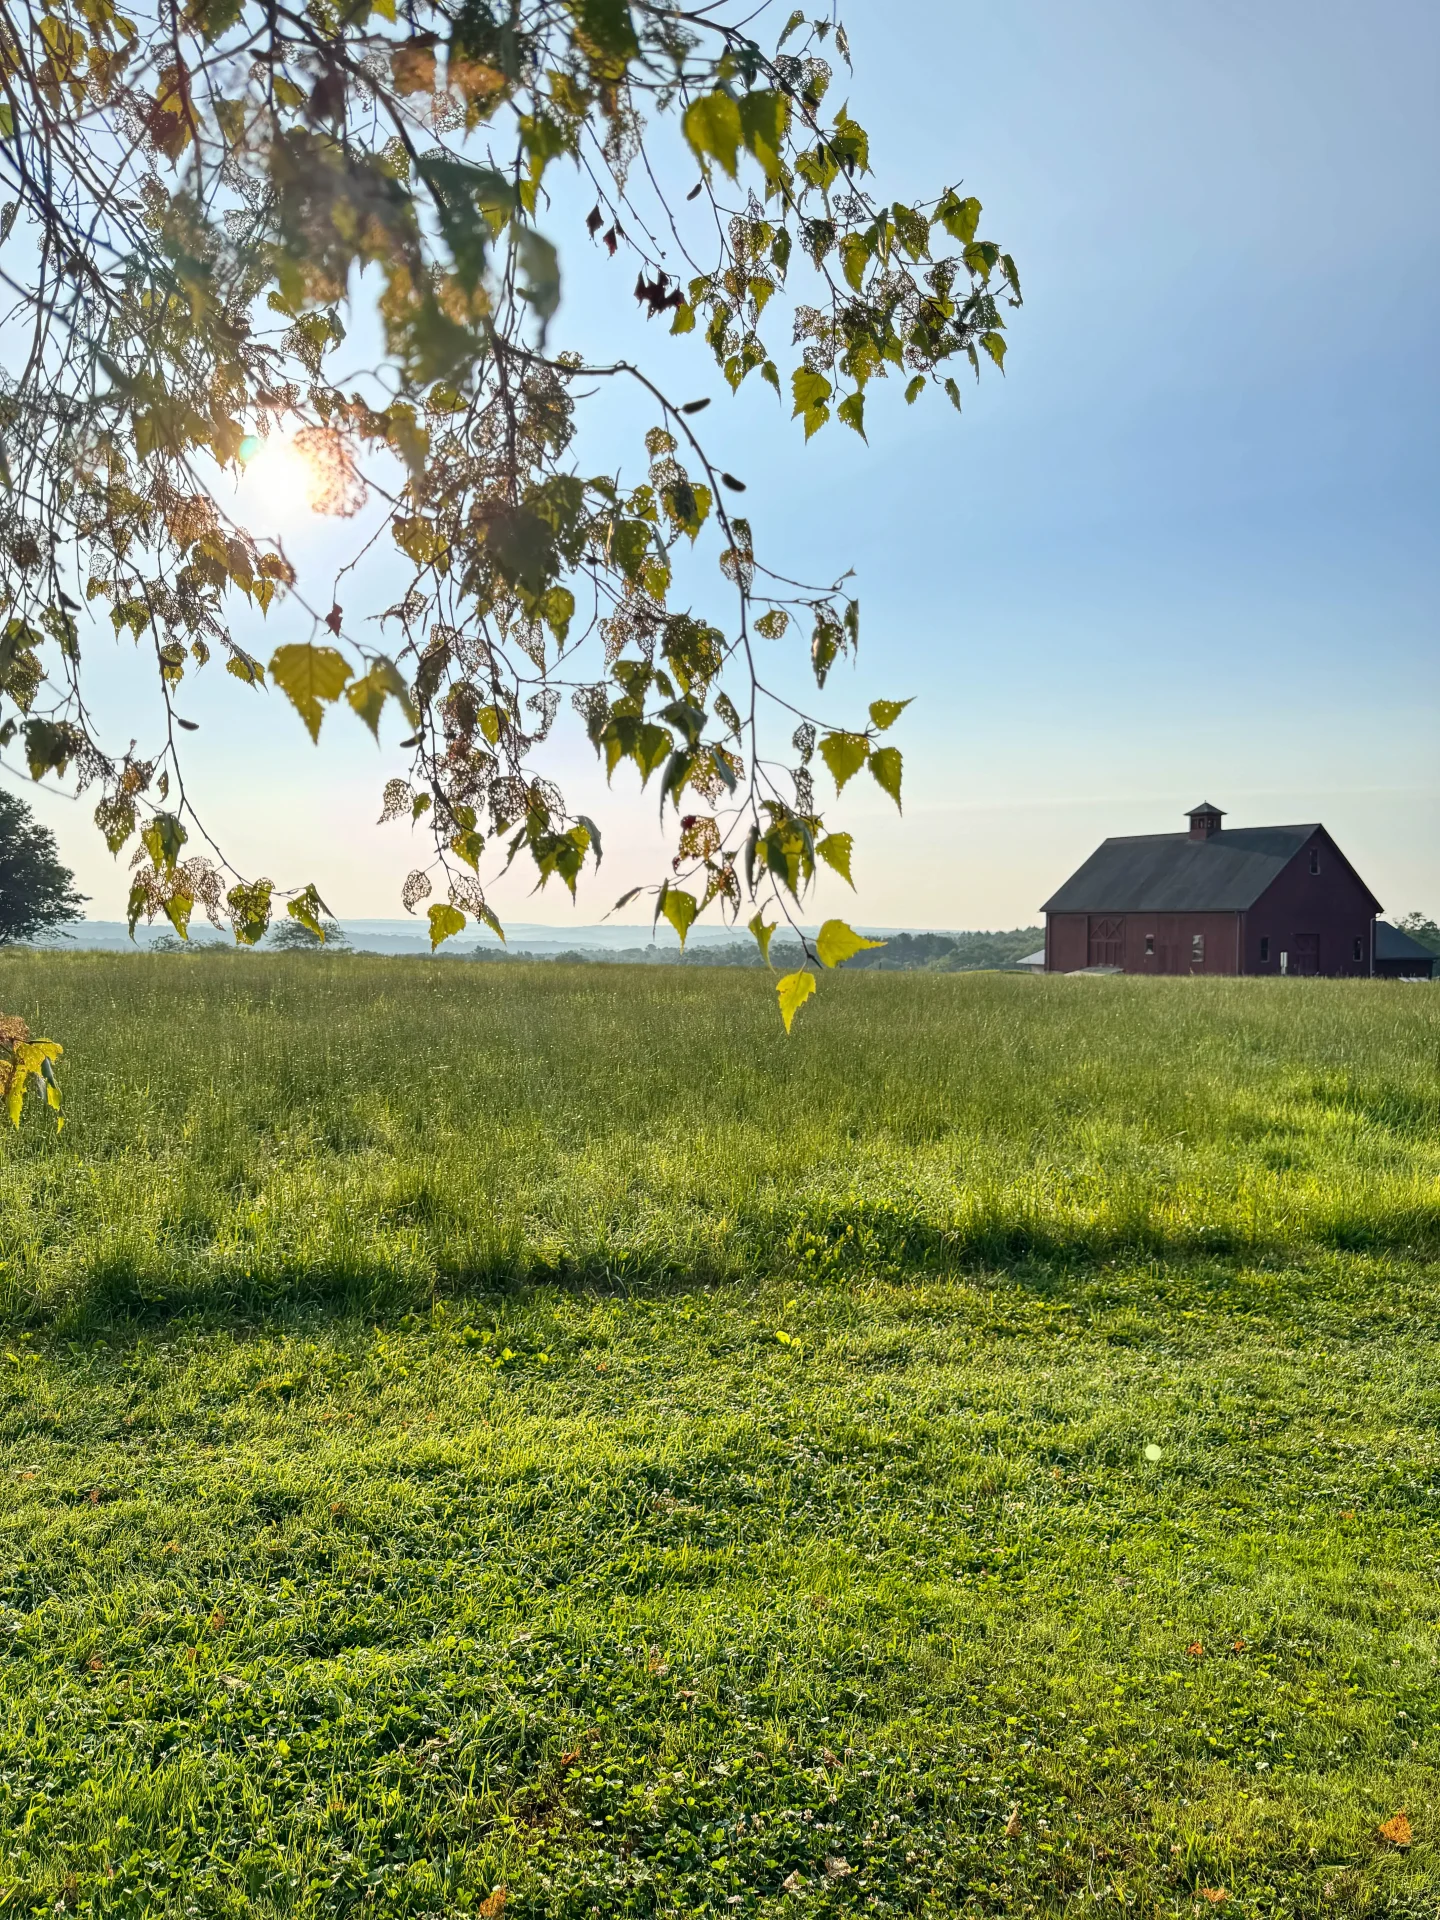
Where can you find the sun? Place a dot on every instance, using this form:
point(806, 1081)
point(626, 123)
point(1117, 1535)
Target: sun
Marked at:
point(291, 475)
point(278, 482)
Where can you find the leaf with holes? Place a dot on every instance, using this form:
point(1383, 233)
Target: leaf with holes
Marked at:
point(163, 837)
point(835, 850)
point(812, 392)
point(308, 908)
point(852, 411)
point(844, 754)
point(885, 764)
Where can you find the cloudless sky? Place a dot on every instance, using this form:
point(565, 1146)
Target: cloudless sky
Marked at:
point(1185, 550)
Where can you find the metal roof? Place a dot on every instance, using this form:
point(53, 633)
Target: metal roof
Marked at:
point(1171, 873)
point(1391, 943)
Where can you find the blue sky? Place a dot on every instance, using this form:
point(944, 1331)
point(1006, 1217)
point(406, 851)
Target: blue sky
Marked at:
point(1185, 549)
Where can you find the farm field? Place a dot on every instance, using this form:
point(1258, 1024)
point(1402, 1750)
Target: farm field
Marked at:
point(529, 1438)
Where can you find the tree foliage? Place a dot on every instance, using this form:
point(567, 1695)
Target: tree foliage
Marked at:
point(37, 893)
point(205, 200)
point(1421, 927)
point(292, 936)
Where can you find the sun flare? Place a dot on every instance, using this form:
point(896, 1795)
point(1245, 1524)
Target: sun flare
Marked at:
point(292, 475)
point(279, 481)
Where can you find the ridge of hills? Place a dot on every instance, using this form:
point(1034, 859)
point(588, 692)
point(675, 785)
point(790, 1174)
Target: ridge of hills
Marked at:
point(903, 951)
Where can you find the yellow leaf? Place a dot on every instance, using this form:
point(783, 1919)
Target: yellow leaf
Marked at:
point(885, 764)
point(445, 922)
point(307, 908)
point(835, 850)
point(792, 990)
point(368, 694)
point(762, 930)
point(308, 675)
point(837, 943)
point(844, 754)
point(244, 668)
point(680, 909)
point(712, 127)
point(1396, 1830)
point(31, 1056)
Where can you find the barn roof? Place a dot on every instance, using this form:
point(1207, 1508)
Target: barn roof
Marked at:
point(1393, 943)
point(1171, 873)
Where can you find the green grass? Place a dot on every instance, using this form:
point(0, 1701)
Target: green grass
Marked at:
point(405, 1491)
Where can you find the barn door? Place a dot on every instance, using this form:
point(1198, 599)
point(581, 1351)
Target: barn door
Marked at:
point(1305, 953)
point(1107, 942)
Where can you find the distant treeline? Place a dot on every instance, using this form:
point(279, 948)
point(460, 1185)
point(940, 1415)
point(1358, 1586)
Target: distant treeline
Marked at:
point(1421, 927)
point(901, 953)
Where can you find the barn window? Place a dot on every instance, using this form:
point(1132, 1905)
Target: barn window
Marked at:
point(1149, 943)
point(1314, 859)
point(1264, 948)
point(1197, 949)
point(1359, 950)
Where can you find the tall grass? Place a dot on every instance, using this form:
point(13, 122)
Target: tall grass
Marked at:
point(252, 1128)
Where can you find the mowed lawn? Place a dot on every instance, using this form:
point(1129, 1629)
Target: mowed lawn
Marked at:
point(530, 1438)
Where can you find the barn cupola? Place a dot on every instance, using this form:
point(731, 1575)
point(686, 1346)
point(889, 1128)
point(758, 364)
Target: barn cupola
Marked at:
point(1205, 820)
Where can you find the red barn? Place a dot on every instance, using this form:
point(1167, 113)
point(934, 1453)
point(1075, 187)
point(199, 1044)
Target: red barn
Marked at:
point(1215, 900)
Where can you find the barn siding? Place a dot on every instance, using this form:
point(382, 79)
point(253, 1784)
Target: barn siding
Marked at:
point(1331, 909)
point(1173, 934)
point(1075, 940)
point(1066, 937)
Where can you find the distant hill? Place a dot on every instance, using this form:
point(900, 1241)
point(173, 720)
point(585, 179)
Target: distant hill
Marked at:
point(950, 952)
point(711, 946)
point(901, 953)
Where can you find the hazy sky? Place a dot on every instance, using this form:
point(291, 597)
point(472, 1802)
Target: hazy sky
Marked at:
point(1186, 549)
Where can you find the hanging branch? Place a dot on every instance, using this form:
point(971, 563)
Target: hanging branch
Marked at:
point(197, 195)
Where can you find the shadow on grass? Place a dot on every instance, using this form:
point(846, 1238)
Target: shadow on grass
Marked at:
point(1357, 1279)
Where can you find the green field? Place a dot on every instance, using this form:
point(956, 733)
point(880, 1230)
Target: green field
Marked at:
point(529, 1428)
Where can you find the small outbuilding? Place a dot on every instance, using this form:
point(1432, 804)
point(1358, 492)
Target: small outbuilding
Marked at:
point(1399, 956)
point(1224, 900)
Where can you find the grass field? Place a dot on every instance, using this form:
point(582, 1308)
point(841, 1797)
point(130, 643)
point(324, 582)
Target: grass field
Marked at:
point(526, 1437)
